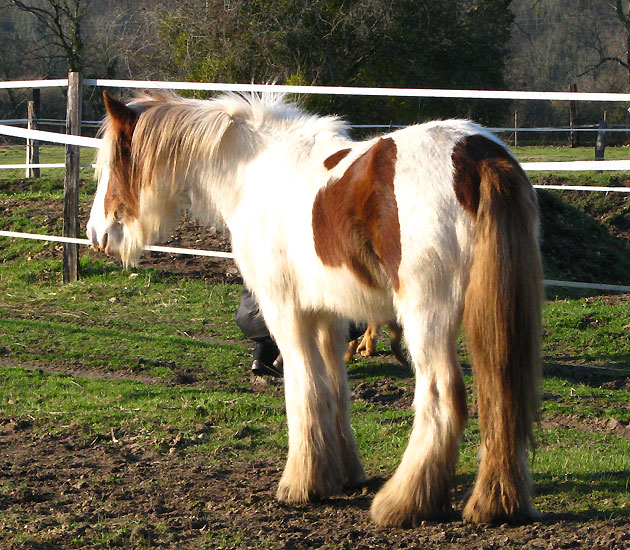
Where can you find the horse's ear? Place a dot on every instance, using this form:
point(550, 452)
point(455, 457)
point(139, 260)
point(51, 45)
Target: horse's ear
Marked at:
point(123, 118)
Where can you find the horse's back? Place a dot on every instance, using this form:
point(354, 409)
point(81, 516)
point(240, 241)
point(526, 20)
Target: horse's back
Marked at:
point(363, 223)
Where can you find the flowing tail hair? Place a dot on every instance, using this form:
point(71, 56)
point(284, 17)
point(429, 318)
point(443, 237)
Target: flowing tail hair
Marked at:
point(502, 321)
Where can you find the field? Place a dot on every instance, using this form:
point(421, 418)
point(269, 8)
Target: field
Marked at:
point(129, 418)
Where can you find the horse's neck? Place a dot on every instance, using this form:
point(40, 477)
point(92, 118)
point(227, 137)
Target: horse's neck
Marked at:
point(219, 190)
point(213, 195)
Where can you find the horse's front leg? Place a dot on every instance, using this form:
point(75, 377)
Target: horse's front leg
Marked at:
point(314, 467)
point(332, 332)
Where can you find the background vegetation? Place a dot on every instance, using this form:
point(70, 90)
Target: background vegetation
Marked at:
point(486, 44)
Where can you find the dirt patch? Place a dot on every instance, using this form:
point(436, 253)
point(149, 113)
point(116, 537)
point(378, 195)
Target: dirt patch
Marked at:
point(617, 384)
point(609, 299)
point(189, 234)
point(384, 393)
point(78, 371)
point(601, 425)
point(74, 489)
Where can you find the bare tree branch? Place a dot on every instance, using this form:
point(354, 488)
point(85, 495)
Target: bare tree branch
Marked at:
point(63, 21)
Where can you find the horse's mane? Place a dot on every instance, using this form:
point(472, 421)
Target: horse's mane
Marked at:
point(172, 130)
point(178, 140)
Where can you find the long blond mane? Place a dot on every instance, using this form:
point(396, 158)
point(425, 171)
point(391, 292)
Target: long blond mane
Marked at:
point(184, 149)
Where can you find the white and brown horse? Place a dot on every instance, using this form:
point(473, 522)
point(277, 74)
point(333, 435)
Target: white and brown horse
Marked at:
point(430, 225)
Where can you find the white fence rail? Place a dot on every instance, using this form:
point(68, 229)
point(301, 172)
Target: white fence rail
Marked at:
point(361, 91)
point(573, 166)
point(219, 254)
point(166, 249)
point(6, 129)
point(329, 90)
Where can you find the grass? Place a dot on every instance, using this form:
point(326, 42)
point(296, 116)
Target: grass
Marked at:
point(160, 325)
point(587, 330)
point(62, 320)
point(546, 153)
point(218, 420)
point(564, 397)
point(48, 154)
point(146, 323)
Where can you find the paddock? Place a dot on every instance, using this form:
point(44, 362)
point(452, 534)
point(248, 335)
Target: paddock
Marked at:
point(129, 417)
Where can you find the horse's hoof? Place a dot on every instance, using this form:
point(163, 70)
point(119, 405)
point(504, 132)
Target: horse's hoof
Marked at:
point(483, 511)
point(301, 493)
point(291, 495)
point(393, 509)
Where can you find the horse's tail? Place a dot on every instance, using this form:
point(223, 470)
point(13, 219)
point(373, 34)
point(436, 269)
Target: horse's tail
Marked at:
point(503, 326)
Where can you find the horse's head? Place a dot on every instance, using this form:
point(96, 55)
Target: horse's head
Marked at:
point(159, 155)
point(115, 205)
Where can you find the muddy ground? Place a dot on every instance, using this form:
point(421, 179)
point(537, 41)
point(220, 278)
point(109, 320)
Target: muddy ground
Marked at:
point(72, 483)
point(119, 492)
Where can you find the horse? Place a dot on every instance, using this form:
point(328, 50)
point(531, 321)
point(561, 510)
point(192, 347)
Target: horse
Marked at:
point(367, 346)
point(435, 225)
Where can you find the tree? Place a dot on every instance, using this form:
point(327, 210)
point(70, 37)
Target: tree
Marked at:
point(47, 38)
point(398, 43)
point(62, 19)
point(623, 17)
point(557, 44)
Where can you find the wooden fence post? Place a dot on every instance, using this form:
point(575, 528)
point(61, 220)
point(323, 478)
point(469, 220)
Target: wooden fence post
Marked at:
point(600, 144)
point(573, 117)
point(32, 145)
point(71, 181)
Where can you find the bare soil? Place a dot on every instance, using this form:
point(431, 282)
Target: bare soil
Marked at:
point(65, 488)
point(77, 489)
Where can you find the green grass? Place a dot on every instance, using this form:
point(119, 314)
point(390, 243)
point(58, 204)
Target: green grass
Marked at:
point(593, 467)
point(588, 330)
point(221, 420)
point(139, 323)
point(546, 153)
point(581, 472)
point(48, 154)
point(564, 397)
point(157, 325)
point(145, 323)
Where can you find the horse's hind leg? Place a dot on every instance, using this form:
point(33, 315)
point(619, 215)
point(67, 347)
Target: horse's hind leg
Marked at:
point(331, 337)
point(351, 350)
point(420, 488)
point(367, 347)
point(314, 467)
point(395, 331)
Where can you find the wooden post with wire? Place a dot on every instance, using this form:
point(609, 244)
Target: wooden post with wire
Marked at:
point(573, 119)
point(600, 144)
point(71, 181)
point(32, 145)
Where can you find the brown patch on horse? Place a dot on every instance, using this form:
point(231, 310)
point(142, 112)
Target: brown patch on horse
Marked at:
point(469, 157)
point(355, 218)
point(336, 158)
point(121, 199)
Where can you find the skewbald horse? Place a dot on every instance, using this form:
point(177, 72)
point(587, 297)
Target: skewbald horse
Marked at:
point(432, 225)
